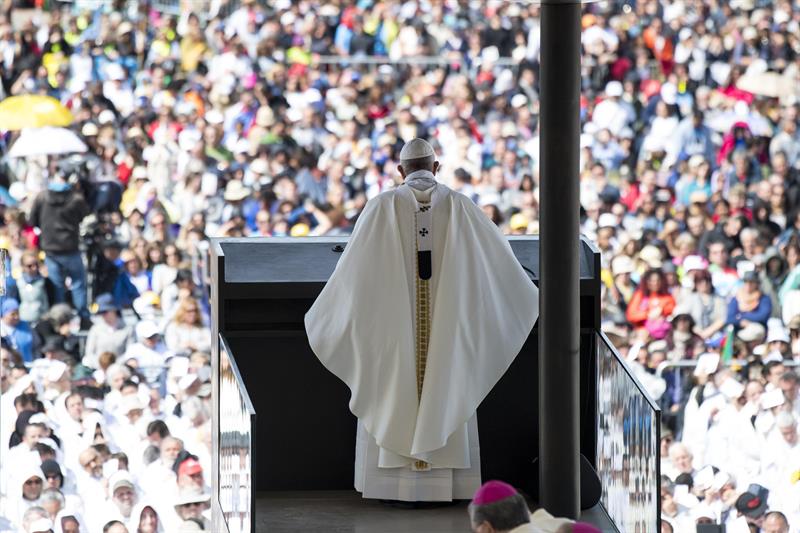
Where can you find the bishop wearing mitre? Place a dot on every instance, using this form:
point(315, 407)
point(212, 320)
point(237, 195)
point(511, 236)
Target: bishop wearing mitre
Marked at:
point(424, 312)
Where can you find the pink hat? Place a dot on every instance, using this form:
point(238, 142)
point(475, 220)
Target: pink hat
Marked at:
point(493, 491)
point(582, 527)
point(250, 81)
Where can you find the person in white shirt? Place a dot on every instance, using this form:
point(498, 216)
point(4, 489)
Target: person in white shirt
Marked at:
point(27, 484)
point(122, 498)
point(57, 386)
point(90, 477)
point(186, 333)
point(612, 113)
point(781, 455)
point(149, 350)
point(116, 375)
point(158, 479)
point(164, 273)
point(130, 430)
point(738, 446)
point(680, 460)
point(145, 519)
point(190, 506)
point(69, 416)
point(30, 433)
point(109, 334)
point(788, 383)
point(118, 90)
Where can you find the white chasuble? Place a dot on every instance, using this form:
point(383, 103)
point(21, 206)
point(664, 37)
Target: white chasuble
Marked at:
point(420, 339)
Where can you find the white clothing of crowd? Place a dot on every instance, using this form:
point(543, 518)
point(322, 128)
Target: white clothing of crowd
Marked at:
point(113, 447)
point(738, 463)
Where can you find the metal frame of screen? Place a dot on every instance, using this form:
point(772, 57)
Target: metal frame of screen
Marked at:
point(628, 444)
point(237, 422)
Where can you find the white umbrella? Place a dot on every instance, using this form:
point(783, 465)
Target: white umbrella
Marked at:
point(769, 84)
point(47, 141)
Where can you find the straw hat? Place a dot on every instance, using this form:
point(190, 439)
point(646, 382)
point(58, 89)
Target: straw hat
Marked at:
point(265, 117)
point(235, 191)
point(622, 265)
point(651, 256)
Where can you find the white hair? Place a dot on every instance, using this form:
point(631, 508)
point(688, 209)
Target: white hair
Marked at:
point(420, 163)
point(678, 447)
point(785, 420)
point(54, 495)
point(752, 232)
point(31, 515)
point(192, 408)
point(117, 369)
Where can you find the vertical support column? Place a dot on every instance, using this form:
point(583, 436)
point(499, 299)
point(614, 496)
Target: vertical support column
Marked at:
point(559, 322)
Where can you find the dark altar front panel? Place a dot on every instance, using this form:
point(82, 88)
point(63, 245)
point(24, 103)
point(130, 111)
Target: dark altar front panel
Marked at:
point(305, 432)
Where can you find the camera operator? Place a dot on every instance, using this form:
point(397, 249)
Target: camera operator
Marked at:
point(57, 212)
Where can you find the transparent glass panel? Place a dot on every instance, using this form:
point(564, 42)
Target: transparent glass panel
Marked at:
point(236, 447)
point(627, 446)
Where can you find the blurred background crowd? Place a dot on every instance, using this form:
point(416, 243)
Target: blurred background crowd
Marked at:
point(132, 132)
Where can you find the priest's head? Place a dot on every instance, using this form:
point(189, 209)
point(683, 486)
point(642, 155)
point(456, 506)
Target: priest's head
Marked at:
point(497, 507)
point(417, 154)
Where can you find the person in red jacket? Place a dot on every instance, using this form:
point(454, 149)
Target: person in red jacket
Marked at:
point(651, 305)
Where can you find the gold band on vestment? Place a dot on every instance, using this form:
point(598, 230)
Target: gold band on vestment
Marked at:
point(423, 312)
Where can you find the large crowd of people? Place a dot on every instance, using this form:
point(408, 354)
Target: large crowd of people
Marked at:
point(275, 118)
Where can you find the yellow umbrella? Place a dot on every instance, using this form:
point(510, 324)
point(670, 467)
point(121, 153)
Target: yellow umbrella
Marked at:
point(32, 111)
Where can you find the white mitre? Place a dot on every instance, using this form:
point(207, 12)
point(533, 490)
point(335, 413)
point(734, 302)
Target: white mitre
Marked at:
point(416, 149)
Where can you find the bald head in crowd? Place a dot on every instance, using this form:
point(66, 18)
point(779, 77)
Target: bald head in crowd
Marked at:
point(92, 462)
point(775, 522)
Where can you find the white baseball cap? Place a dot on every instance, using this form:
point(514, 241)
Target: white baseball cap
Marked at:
point(130, 402)
point(694, 262)
point(42, 525)
point(146, 329)
point(776, 334)
point(614, 89)
point(607, 220)
point(56, 370)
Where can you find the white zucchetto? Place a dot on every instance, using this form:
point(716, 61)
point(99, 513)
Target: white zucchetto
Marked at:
point(416, 149)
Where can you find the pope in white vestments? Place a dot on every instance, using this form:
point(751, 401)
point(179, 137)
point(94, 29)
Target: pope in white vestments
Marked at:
point(423, 314)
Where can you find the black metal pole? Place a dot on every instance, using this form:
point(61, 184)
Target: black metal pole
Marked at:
point(559, 326)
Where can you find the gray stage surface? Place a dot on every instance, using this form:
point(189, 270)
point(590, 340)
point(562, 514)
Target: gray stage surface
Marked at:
point(347, 512)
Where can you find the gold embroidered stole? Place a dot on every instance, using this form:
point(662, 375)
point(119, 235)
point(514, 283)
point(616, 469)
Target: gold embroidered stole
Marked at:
point(423, 315)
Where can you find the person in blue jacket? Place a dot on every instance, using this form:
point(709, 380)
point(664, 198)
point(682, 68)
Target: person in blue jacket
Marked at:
point(749, 305)
point(17, 332)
